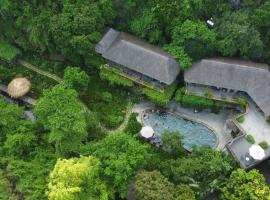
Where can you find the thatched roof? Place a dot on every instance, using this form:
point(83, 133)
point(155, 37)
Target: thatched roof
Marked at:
point(18, 87)
point(136, 54)
point(252, 78)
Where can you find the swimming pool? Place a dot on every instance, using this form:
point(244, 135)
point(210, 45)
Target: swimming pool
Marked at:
point(193, 133)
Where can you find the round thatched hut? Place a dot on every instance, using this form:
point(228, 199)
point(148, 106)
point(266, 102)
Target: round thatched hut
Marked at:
point(18, 87)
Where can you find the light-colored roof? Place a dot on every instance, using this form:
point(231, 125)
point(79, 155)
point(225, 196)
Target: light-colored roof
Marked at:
point(250, 77)
point(18, 87)
point(136, 54)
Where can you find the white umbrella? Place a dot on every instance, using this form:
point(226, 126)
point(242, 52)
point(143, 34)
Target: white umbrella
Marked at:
point(256, 152)
point(147, 132)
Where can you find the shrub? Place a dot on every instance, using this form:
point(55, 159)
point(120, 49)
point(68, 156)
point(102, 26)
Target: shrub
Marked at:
point(208, 94)
point(8, 52)
point(161, 99)
point(250, 139)
point(106, 96)
point(241, 119)
point(75, 78)
point(113, 78)
point(133, 127)
point(263, 144)
point(268, 120)
point(242, 101)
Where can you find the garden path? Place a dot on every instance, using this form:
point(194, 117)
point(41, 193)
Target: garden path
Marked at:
point(39, 71)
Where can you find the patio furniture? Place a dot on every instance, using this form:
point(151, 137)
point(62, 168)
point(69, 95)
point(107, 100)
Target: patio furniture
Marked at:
point(147, 132)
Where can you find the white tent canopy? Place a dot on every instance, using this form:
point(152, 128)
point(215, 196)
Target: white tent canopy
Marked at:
point(256, 152)
point(147, 132)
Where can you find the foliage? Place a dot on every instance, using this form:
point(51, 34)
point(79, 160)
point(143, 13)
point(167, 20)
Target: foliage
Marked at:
point(245, 185)
point(173, 145)
point(161, 98)
point(241, 118)
point(194, 36)
point(121, 156)
point(85, 175)
point(114, 78)
point(250, 139)
point(180, 55)
point(268, 120)
point(154, 186)
point(5, 188)
point(106, 96)
point(60, 111)
point(242, 101)
point(147, 26)
point(75, 29)
point(237, 36)
point(7, 52)
point(205, 170)
point(263, 144)
point(187, 100)
point(75, 78)
point(133, 127)
point(110, 114)
point(10, 116)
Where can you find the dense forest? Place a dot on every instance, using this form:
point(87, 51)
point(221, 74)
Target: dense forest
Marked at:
point(75, 149)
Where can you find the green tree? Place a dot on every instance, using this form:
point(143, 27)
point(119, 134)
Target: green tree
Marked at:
point(205, 169)
point(75, 78)
point(154, 186)
point(173, 145)
point(237, 36)
point(10, 116)
point(180, 55)
point(121, 156)
point(245, 185)
point(147, 26)
point(75, 29)
point(23, 141)
point(196, 38)
point(77, 178)
point(60, 111)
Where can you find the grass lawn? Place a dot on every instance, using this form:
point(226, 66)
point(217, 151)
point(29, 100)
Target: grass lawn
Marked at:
point(38, 82)
point(108, 102)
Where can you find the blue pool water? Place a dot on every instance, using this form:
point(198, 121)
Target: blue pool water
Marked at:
point(193, 133)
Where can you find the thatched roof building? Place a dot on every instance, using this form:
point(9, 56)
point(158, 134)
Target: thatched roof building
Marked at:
point(252, 78)
point(136, 54)
point(18, 87)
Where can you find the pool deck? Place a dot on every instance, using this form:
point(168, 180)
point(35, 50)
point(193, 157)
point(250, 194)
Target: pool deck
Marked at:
point(217, 122)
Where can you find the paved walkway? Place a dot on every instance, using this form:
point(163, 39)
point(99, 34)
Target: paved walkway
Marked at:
point(216, 121)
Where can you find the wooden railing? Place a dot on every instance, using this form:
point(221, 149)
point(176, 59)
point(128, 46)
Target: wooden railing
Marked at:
point(136, 80)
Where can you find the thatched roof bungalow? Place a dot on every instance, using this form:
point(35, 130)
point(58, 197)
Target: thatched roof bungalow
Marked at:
point(137, 55)
point(252, 78)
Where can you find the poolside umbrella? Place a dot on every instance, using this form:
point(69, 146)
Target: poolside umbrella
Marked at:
point(18, 87)
point(147, 132)
point(256, 152)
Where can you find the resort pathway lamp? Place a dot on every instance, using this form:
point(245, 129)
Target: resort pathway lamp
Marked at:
point(18, 87)
point(147, 132)
point(256, 152)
